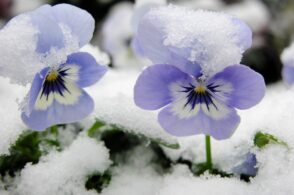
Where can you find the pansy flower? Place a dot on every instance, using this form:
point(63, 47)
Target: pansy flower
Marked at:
point(196, 77)
point(50, 39)
point(288, 62)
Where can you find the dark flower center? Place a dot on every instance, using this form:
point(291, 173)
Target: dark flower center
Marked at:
point(200, 94)
point(54, 82)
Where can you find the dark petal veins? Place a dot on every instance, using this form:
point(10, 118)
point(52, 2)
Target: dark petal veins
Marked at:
point(194, 97)
point(56, 85)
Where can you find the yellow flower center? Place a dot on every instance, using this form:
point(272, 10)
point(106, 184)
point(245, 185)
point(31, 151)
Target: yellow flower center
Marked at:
point(200, 89)
point(52, 75)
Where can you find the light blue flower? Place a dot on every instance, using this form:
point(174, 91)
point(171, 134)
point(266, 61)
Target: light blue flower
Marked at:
point(56, 95)
point(194, 102)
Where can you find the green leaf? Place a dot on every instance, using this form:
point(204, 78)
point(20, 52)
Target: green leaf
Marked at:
point(92, 130)
point(263, 139)
point(98, 181)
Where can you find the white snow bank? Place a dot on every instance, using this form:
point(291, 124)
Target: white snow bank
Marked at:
point(114, 104)
point(65, 172)
point(126, 180)
point(11, 124)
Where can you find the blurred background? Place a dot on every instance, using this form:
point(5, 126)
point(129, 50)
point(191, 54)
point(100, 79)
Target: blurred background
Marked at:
point(272, 22)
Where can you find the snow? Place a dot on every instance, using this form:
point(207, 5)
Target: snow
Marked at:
point(69, 168)
point(11, 125)
point(210, 37)
point(101, 57)
point(65, 172)
point(114, 104)
point(287, 55)
point(18, 58)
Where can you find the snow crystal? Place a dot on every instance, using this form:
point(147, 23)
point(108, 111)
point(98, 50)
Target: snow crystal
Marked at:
point(211, 37)
point(65, 172)
point(18, 59)
point(288, 56)
point(114, 104)
point(11, 124)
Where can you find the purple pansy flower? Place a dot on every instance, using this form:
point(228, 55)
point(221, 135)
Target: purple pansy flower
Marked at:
point(195, 101)
point(56, 95)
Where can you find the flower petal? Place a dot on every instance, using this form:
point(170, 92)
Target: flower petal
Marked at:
point(239, 86)
point(80, 22)
point(89, 71)
point(248, 167)
point(243, 34)
point(152, 87)
point(179, 126)
point(150, 38)
point(50, 35)
point(201, 123)
point(35, 89)
point(288, 74)
point(59, 113)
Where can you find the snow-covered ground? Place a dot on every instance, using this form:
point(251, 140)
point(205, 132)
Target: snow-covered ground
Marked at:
point(66, 171)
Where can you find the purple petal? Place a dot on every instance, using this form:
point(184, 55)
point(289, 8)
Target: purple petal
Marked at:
point(152, 87)
point(59, 113)
point(248, 167)
point(36, 87)
point(243, 35)
point(89, 71)
point(288, 74)
point(150, 39)
point(201, 123)
point(179, 127)
point(50, 34)
point(245, 87)
point(80, 22)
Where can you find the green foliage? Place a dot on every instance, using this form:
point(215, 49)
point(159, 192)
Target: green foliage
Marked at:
point(98, 181)
point(25, 150)
point(29, 147)
point(263, 139)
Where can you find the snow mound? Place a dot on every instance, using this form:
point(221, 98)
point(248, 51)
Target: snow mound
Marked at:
point(114, 104)
point(65, 172)
point(11, 123)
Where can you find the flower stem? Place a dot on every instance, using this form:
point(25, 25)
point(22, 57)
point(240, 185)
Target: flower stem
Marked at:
point(208, 153)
